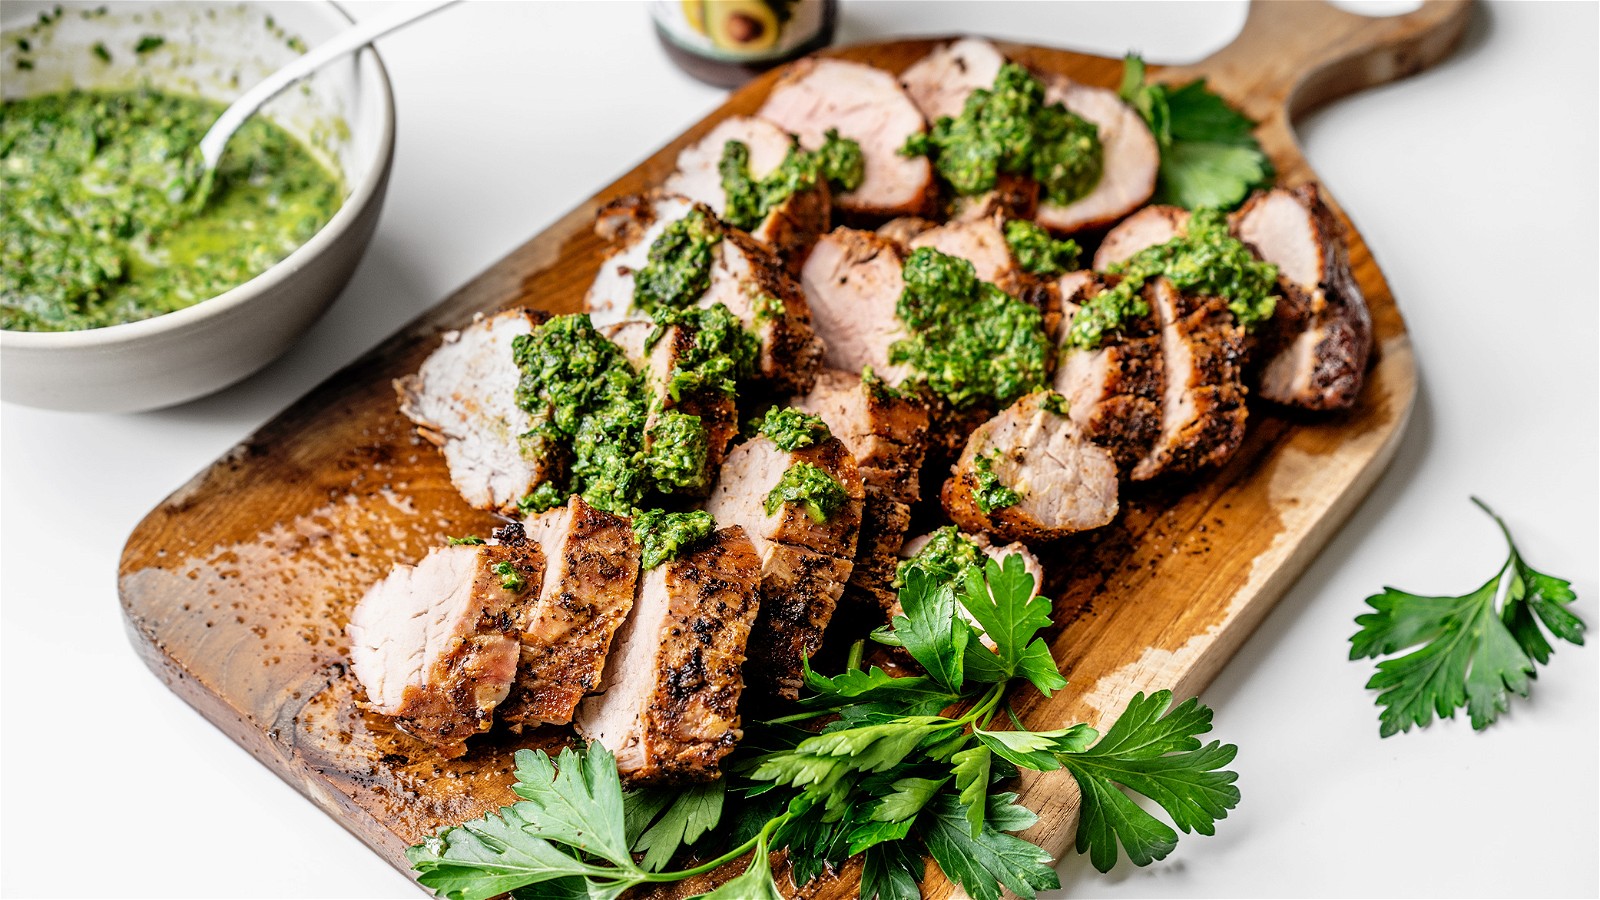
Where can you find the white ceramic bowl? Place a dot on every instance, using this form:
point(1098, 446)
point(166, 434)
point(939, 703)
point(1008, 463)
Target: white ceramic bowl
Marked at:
point(345, 112)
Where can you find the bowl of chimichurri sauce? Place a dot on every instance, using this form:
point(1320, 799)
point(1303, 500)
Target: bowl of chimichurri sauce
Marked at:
point(120, 290)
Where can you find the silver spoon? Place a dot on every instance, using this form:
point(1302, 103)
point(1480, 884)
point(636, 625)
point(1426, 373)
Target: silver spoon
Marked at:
point(348, 41)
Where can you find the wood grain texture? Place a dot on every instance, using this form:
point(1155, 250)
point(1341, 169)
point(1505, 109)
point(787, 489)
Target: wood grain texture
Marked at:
point(236, 589)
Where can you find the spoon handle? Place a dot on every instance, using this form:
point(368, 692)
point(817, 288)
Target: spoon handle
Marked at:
point(351, 39)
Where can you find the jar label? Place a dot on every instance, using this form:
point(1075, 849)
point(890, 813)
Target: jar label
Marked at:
point(738, 30)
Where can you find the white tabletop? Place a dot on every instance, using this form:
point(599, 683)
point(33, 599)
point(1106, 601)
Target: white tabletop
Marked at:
point(1475, 184)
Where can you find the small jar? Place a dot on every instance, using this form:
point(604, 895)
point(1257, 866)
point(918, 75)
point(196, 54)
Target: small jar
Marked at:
point(728, 42)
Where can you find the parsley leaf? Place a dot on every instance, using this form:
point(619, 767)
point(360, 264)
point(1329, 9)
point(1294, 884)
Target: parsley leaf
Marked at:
point(982, 863)
point(930, 630)
point(891, 871)
point(689, 813)
point(1153, 752)
point(1471, 655)
point(1001, 599)
point(1209, 155)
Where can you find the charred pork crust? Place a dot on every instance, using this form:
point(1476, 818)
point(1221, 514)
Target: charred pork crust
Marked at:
point(435, 645)
point(592, 567)
point(1320, 338)
point(670, 709)
point(1203, 406)
point(1114, 391)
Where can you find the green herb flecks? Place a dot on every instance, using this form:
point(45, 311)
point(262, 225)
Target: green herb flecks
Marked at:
point(100, 224)
point(1009, 129)
point(100, 52)
point(969, 341)
point(1209, 157)
point(510, 578)
point(586, 402)
point(676, 453)
point(1205, 260)
point(809, 487)
point(1472, 651)
point(665, 535)
point(721, 354)
point(749, 200)
point(678, 270)
point(946, 555)
point(792, 429)
point(547, 496)
point(149, 43)
point(870, 763)
point(470, 540)
point(990, 494)
point(1037, 252)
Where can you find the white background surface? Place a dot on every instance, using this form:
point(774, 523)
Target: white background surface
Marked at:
point(1475, 184)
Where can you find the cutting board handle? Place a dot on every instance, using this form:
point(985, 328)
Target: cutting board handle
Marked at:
point(1294, 56)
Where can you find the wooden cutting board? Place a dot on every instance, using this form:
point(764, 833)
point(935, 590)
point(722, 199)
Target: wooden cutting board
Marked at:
point(236, 588)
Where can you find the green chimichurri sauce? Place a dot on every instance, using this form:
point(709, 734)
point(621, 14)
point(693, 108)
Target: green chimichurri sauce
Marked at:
point(1008, 128)
point(1204, 260)
point(749, 200)
point(990, 493)
point(969, 342)
point(811, 488)
point(1037, 252)
point(792, 429)
point(98, 226)
point(944, 557)
point(665, 535)
point(678, 268)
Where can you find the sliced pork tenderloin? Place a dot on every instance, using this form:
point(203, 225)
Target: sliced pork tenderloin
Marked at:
point(941, 82)
point(591, 569)
point(792, 226)
point(1063, 482)
point(852, 284)
point(1203, 399)
point(981, 242)
point(435, 645)
point(745, 277)
point(1113, 391)
point(886, 431)
point(1131, 159)
point(1146, 228)
point(805, 564)
point(1013, 197)
point(868, 106)
point(463, 399)
point(1322, 338)
point(669, 706)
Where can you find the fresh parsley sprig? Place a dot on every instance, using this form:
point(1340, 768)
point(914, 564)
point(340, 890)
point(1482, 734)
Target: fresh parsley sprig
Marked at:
point(1472, 650)
point(895, 768)
point(1209, 156)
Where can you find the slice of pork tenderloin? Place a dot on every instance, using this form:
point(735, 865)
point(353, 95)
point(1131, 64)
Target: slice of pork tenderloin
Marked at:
point(591, 569)
point(745, 276)
point(1113, 391)
point(885, 522)
point(1324, 340)
point(792, 226)
point(941, 82)
point(1014, 196)
point(463, 400)
point(1131, 159)
point(866, 105)
point(981, 242)
point(903, 229)
point(754, 468)
point(853, 282)
point(669, 702)
point(886, 430)
point(1063, 483)
point(715, 408)
point(435, 645)
point(805, 564)
point(1148, 227)
point(1203, 399)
